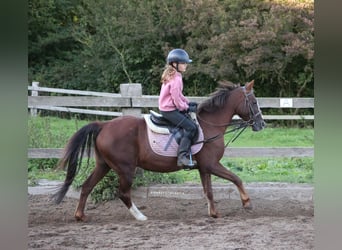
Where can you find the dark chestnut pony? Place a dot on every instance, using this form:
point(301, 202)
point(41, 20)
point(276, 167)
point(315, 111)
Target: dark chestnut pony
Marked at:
point(122, 144)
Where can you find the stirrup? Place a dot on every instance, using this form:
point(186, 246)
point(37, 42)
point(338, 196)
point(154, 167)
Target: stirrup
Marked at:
point(190, 165)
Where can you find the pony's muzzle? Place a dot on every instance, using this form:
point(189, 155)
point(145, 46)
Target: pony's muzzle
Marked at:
point(258, 125)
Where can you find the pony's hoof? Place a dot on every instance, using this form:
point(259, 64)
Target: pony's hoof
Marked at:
point(82, 218)
point(215, 215)
point(248, 205)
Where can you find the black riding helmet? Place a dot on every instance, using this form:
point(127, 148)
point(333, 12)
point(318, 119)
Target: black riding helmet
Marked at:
point(178, 56)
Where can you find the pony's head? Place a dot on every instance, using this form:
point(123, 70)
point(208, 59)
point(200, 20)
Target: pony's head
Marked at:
point(249, 109)
point(235, 100)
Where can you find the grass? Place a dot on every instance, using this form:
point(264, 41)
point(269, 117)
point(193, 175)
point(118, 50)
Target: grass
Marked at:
point(291, 170)
point(45, 132)
point(53, 132)
point(275, 137)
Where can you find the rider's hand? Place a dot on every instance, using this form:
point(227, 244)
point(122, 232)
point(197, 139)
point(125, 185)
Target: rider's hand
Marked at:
point(192, 107)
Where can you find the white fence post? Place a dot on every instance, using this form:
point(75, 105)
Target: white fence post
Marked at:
point(35, 85)
point(131, 90)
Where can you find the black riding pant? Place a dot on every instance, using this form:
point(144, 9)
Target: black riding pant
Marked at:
point(181, 120)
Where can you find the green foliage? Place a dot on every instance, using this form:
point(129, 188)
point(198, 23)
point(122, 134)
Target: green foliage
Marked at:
point(51, 45)
point(97, 45)
point(42, 164)
point(42, 169)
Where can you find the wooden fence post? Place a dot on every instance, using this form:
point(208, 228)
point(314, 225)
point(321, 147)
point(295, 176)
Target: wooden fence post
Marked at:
point(34, 93)
point(131, 90)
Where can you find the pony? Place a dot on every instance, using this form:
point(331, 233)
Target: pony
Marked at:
point(121, 145)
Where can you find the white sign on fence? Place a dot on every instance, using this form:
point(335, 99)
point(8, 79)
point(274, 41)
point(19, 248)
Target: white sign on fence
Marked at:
point(286, 102)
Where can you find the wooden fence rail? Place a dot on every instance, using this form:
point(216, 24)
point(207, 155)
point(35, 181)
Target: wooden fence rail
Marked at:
point(131, 101)
point(232, 152)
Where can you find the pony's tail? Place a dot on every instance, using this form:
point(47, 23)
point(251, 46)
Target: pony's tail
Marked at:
point(73, 154)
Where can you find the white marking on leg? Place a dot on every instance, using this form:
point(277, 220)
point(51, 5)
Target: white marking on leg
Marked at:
point(208, 205)
point(136, 213)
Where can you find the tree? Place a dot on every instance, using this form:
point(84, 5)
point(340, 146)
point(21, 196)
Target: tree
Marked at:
point(50, 42)
point(242, 40)
point(97, 45)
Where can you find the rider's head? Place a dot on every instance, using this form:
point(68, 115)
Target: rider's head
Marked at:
point(176, 57)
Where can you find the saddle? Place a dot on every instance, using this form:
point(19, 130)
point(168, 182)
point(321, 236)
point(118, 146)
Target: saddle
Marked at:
point(158, 124)
point(164, 137)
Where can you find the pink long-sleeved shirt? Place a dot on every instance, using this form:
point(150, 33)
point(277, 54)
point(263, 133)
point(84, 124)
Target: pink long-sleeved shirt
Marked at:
point(171, 95)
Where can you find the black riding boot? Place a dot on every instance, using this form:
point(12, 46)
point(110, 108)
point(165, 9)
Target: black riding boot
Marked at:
point(183, 150)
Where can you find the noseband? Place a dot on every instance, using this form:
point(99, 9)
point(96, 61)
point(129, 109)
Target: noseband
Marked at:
point(252, 115)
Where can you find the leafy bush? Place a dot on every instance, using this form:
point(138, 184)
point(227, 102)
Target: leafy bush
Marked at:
point(42, 164)
point(43, 169)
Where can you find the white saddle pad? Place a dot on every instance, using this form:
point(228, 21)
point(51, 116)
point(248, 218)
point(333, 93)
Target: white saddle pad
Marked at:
point(159, 139)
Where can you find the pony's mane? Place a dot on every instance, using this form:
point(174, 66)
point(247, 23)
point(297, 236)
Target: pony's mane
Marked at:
point(218, 98)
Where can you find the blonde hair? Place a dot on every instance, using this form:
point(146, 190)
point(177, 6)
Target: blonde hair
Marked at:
point(168, 73)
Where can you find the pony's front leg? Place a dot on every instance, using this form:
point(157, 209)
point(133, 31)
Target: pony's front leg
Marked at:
point(208, 192)
point(224, 173)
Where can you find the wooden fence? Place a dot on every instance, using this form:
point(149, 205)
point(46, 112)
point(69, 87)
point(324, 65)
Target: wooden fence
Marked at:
point(131, 101)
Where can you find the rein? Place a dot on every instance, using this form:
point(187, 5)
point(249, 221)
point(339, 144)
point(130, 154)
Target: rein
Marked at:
point(238, 130)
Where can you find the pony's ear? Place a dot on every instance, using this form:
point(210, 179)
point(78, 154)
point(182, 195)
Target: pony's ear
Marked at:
point(249, 85)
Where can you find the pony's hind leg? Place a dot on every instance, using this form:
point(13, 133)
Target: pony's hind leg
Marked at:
point(101, 169)
point(124, 193)
point(208, 192)
point(224, 173)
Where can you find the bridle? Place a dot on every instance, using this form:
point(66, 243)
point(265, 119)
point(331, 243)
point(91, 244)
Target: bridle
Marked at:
point(252, 115)
point(241, 126)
